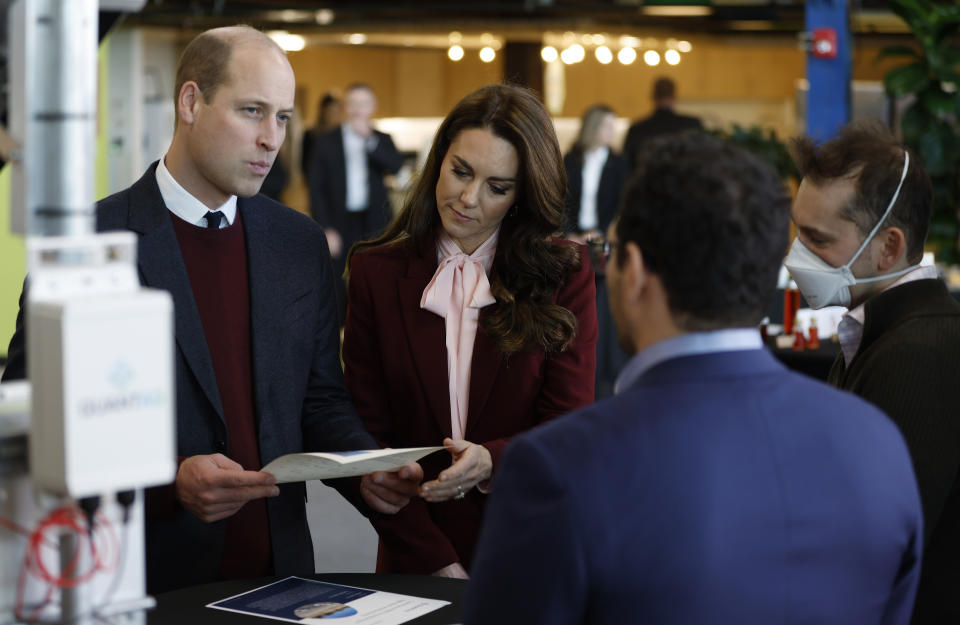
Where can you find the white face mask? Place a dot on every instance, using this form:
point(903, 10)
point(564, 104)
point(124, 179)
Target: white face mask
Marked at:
point(824, 285)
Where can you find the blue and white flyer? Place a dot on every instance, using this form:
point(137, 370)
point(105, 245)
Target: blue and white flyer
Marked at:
point(299, 600)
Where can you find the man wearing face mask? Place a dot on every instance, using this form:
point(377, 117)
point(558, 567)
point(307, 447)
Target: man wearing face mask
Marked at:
point(862, 213)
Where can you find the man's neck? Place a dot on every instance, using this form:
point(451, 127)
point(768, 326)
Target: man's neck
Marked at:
point(179, 165)
point(647, 334)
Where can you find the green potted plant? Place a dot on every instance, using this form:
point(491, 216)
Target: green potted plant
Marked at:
point(931, 123)
point(765, 144)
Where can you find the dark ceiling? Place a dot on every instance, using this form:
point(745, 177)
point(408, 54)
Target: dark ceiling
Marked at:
point(310, 15)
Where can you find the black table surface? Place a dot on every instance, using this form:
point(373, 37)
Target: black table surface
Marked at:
point(188, 605)
point(815, 363)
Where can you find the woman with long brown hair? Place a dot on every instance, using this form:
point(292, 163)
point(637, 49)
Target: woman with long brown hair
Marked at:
point(468, 322)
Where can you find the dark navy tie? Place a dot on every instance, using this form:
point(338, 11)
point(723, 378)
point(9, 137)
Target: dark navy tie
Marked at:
point(213, 219)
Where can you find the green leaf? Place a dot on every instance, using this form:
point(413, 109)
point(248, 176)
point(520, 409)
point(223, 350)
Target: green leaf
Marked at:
point(913, 124)
point(951, 55)
point(938, 102)
point(910, 11)
point(932, 151)
point(907, 79)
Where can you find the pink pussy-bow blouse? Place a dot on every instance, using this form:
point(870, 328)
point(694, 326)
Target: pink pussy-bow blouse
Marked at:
point(457, 292)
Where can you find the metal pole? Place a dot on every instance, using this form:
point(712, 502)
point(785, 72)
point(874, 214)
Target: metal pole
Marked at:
point(62, 117)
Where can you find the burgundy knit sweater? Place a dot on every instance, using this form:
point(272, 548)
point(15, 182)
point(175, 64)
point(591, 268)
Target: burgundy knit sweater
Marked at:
point(216, 263)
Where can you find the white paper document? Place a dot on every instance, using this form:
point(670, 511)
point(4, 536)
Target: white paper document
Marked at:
point(299, 600)
point(323, 466)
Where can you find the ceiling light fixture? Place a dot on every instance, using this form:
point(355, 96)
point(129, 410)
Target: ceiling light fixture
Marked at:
point(549, 54)
point(626, 56)
point(603, 54)
point(651, 58)
point(677, 11)
point(487, 54)
point(287, 41)
point(455, 53)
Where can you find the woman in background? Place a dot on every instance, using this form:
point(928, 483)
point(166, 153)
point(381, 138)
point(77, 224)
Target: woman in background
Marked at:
point(467, 321)
point(329, 116)
point(595, 175)
point(595, 179)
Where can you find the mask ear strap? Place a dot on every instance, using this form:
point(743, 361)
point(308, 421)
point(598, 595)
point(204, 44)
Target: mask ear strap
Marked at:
point(887, 276)
point(893, 200)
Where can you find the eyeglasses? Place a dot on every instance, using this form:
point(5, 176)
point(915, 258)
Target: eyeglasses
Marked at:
point(600, 250)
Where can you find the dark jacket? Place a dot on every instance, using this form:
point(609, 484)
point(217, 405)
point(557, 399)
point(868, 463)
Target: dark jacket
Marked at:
point(663, 121)
point(299, 397)
point(612, 178)
point(327, 179)
point(908, 365)
point(395, 363)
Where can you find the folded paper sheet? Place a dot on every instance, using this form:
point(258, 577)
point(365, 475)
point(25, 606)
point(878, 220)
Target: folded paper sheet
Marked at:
point(323, 466)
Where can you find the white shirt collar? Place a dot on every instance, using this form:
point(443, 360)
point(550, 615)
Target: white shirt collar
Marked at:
point(185, 206)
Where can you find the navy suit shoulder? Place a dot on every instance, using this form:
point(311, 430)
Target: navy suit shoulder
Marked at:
point(718, 489)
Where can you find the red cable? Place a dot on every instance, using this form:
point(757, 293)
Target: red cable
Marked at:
point(69, 518)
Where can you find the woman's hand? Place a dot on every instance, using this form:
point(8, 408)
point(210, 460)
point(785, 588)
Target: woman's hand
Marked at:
point(455, 570)
point(472, 465)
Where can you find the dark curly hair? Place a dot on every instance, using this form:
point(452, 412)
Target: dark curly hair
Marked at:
point(529, 267)
point(712, 221)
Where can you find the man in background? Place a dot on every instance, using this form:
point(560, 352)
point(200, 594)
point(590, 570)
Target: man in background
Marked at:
point(716, 486)
point(257, 361)
point(348, 196)
point(662, 121)
point(862, 213)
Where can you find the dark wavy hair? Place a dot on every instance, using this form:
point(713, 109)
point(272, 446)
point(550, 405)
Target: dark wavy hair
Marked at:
point(529, 267)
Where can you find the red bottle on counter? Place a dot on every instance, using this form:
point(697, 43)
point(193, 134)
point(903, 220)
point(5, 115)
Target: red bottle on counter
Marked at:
point(813, 340)
point(799, 342)
point(791, 304)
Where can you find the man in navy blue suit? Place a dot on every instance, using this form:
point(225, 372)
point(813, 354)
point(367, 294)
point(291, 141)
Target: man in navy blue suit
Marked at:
point(257, 332)
point(716, 486)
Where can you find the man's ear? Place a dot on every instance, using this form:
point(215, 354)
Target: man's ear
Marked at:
point(892, 246)
point(635, 273)
point(188, 102)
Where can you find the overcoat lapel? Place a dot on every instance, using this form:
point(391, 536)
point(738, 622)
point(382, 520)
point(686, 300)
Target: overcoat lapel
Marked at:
point(162, 267)
point(427, 336)
point(266, 273)
point(487, 359)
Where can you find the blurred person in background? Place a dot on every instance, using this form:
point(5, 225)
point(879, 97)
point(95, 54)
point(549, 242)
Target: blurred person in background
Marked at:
point(348, 196)
point(595, 178)
point(663, 121)
point(468, 322)
point(329, 116)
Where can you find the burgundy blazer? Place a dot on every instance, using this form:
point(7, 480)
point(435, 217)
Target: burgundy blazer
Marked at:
point(395, 366)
